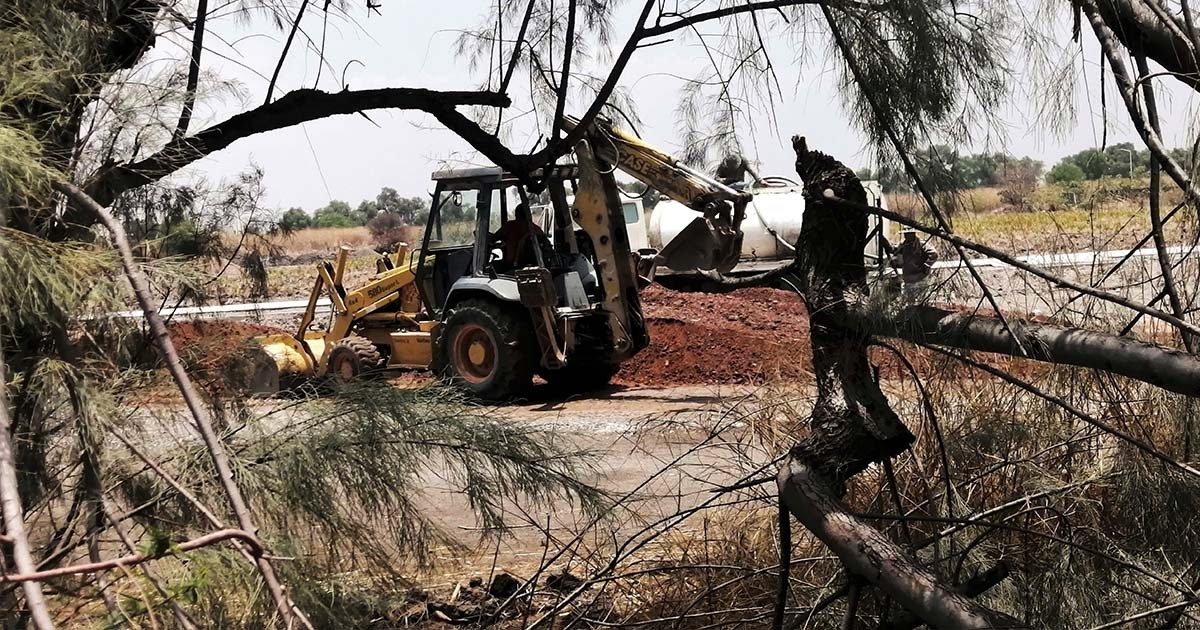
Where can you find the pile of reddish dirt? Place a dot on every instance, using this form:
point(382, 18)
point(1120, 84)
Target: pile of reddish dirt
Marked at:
point(214, 347)
point(748, 336)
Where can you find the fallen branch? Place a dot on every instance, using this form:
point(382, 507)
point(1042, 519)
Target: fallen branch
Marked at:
point(977, 585)
point(1172, 370)
point(871, 556)
point(162, 340)
point(136, 558)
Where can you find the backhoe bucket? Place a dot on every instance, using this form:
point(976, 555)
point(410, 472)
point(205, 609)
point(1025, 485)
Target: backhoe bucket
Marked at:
point(282, 359)
point(702, 245)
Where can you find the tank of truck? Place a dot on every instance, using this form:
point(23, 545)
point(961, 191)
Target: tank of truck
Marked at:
point(772, 223)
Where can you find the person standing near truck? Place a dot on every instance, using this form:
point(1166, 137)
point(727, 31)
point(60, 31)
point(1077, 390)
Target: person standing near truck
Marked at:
point(914, 258)
point(733, 170)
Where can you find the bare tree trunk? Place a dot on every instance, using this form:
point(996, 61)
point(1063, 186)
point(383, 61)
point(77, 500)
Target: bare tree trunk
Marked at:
point(852, 423)
point(14, 516)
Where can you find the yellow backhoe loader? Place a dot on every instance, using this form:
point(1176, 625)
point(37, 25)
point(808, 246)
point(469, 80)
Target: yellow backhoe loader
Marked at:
point(490, 298)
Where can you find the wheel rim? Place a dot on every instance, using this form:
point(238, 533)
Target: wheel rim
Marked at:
point(474, 353)
point(344, 370)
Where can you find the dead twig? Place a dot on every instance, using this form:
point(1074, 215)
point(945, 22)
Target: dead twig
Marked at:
point(136, 558)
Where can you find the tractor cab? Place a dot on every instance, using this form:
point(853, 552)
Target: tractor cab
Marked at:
point(493, 275)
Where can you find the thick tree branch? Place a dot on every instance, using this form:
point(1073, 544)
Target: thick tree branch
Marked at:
point(292, 109)
point(516, 53)
point(975, 586)
point(1171, 370)
point(565, 80)
point(1139, 30)
point(287, 45)
point(193, 77)
point(873, 557)
point(1125, 85)
point(558, 147)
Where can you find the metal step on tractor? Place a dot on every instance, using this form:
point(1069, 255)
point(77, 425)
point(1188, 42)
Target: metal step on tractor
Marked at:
point(491, 298)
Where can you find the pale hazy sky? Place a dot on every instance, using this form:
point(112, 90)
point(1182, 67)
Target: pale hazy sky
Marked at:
point(412, 45)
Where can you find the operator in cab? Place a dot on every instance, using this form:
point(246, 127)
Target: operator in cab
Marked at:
point(519, 235)
point(732, 171)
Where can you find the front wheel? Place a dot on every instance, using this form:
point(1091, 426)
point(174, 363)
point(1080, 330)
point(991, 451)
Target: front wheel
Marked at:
point(488, 349)
point(352, 358)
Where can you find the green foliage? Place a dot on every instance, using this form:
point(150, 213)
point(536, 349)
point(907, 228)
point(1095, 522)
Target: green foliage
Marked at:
point(352, 472)
point(42, 282)
point(343, 484)
point(1065, 173)
point(943, 168)
point(30, 67)
point(1121, 160)
point(335, 214)
point(294, 219)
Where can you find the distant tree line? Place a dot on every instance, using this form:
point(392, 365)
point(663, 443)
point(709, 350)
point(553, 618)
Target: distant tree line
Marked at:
point(943, 168)
point(1118, 160)
point(387, 211)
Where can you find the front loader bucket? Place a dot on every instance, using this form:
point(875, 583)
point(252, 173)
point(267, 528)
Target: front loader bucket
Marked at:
point(702, 245)
point(281, 358)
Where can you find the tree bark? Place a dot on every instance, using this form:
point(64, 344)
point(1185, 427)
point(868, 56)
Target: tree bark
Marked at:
point(297, 107)
point(852, 423)
point(871, 556)
point(1141, 31)
point(14, 516)
point(1169, 369)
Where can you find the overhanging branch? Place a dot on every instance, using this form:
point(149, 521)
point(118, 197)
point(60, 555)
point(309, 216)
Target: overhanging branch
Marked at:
point(297, 107)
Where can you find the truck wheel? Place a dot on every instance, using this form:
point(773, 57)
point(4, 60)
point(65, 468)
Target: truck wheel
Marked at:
point(580, 376)
point(352, 358)
point(488, 350)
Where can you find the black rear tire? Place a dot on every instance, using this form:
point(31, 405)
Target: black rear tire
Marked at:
point(580, 376)
point(488, 349)
point(353, 358)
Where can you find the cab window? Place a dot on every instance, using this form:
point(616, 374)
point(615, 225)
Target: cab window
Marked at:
point(631, 212)
point(453, 223)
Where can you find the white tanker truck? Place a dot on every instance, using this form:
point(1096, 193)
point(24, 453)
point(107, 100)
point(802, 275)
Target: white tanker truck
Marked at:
point(770, 229)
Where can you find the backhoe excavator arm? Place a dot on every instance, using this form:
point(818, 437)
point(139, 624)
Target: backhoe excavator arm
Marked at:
point(712, 241)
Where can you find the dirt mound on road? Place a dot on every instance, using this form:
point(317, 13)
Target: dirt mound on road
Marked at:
point(218, 351)
point(748, 336)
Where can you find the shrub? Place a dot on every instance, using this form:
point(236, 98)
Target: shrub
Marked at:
point(1065, 173)
point(294, 219)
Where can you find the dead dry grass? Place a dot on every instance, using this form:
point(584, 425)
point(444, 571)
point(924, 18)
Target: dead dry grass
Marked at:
point(315, 240)
point(325, 240)
point(1094, 217)
point(1112, 225)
